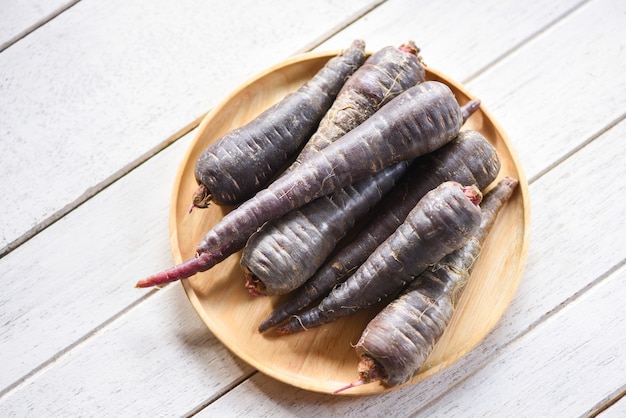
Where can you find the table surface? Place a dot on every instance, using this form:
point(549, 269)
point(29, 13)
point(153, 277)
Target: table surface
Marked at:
point(99, 102)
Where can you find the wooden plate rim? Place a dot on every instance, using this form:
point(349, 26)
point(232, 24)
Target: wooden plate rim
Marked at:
point(302, 59)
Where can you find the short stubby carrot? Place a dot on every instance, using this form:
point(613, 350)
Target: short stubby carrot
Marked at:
point(244, 160)
point(286, 251)
point(441, 222)
point(416, 122)
point(468, 159)
point(396, 342)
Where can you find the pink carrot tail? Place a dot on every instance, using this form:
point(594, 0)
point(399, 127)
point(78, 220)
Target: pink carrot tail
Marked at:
point(190, 267)
point(349, 386)
point(201, 262)
point(369, 370)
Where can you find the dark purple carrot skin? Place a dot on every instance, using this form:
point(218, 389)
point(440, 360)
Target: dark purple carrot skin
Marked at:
point(417, 122)
point(397, 341)
point(468, 159)
point(244, 160)
point(286, 251)
point(383, 76)
point(470, 108)
point(442, 221)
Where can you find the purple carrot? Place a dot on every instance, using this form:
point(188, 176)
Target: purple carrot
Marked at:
point(244, 160)
point(397, 341)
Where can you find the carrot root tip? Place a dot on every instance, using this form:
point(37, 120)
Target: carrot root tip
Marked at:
point(469, 109)
point(283, 330)
point(349, 386)
point(253, 284)
point(409, 47)
point(201, 198)
point(473, 194)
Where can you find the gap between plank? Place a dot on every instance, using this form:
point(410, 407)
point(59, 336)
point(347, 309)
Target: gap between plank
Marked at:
point(600, 407)
point(92, 191)
point(110, 180)
point(219, 394)
point(339, 27)
point(606, 403)
point(97, 188)
point(582, 145)
point(21, 35)
point(35, 371)
point(524, 41)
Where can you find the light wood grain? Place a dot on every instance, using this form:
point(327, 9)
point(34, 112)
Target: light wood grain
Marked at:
point(563, 62)
point(323, 359)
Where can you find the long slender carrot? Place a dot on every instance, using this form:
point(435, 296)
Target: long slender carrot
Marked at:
point(442, 221)
point(228, 172)
point(468, 159)
point(418, 121)
point(286, 251)
point(396, 342)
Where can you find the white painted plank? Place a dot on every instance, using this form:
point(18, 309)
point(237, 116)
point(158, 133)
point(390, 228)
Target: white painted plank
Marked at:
point(276, 396)
point(106, 83)
point(458, 38)
point(576, 232)
point(79, 272)
point(160, 360)
point(561, 368)
point(584, 68)
point(18, 18)
point(566, 255)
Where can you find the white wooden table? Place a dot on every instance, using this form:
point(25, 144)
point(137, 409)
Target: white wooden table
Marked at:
point(100, 100)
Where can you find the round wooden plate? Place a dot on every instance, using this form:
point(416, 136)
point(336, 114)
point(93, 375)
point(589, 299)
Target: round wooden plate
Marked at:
point(323, 359)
